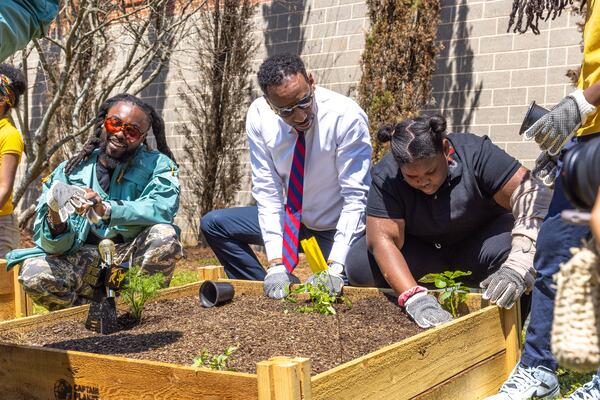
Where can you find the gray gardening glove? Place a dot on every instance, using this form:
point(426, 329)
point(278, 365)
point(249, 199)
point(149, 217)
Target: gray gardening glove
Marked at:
point(63, 199)
point(277, 282)
point(426, 311)
point(331, 278)
point(554, 129)
point(503, 287)
point(545, 168)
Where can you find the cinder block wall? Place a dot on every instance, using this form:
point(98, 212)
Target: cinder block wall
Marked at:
point(486, 78)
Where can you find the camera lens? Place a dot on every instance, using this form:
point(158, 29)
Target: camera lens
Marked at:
point(581, 173)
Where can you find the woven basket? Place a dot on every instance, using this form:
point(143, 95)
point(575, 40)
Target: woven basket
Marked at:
point(576, 327)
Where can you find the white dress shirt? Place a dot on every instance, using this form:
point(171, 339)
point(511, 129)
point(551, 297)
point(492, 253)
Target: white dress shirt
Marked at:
point(336, 170)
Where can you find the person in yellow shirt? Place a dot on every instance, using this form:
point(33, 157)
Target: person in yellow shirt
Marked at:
point(12, 85)
point(575, 119)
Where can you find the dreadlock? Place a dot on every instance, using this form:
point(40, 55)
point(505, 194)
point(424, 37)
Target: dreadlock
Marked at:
point(534, 10)
point(95, 139)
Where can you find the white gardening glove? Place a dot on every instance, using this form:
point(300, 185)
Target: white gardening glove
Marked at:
point(515, 276)
point(64, 199)
point(277, 283)
point(555, 129)
point(332, 278)
point(426, 311)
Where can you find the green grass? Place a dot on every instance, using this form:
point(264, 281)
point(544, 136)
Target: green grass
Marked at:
point(183, 278)
point(39, 309)
point(570, 380)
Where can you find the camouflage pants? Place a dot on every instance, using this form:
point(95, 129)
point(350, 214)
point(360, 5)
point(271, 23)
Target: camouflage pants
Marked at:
point(57, 281)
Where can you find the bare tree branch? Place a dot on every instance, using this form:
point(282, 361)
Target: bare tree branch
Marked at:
point(77, 69)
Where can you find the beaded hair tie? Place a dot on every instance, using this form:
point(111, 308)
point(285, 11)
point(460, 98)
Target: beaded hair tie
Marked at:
point(6, 90)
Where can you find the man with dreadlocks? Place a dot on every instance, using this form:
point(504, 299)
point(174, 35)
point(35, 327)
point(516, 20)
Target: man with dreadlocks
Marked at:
point(130, 194)
point(574, 119)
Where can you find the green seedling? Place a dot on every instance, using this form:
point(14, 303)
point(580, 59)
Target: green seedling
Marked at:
point(219, 362)
point(140, 288)
point(321, 299)
point(453, 293)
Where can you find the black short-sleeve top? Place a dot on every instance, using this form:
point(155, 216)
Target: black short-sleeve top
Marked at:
point(477, 169)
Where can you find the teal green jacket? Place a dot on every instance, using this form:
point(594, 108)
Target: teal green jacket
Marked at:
point(143, 192)
point(23, 20)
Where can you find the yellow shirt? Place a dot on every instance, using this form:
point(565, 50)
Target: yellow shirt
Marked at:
point(10, 143)
point(590, 67)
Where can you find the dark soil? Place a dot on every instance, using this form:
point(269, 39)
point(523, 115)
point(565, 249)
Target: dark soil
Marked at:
point(176, 331)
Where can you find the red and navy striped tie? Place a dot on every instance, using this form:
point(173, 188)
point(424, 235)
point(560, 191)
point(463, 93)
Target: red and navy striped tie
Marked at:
point(293, 207)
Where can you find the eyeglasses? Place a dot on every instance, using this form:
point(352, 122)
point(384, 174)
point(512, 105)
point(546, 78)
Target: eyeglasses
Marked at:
point(114, 124)
point(303, 103)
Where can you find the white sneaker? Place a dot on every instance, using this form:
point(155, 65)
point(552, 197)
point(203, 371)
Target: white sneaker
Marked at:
point(525, 383)
point(589, 391)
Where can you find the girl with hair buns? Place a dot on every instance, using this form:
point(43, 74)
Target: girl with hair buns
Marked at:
point(12, 85)
point(443, 202)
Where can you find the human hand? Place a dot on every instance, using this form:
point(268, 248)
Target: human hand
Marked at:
point(63, 199)
point(276, 284)
point(545, 169)
point(426, 311)
point(503, 287)
point(332, 278)
point(555, 129)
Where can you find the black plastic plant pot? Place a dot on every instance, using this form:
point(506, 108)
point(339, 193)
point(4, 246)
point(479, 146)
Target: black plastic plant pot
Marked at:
point(534, 113)
point(215, 293)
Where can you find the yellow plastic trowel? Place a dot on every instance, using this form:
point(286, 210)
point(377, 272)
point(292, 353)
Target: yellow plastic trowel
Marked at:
point(315, 258)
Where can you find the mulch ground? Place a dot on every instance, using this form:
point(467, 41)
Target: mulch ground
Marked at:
point(176, 331)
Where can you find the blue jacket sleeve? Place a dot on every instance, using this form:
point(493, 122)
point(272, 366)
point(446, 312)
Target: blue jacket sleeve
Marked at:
point(23, 20)
point(157, 204)
point(41, 231)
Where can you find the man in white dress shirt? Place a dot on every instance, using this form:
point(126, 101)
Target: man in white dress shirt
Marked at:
point(310, 153)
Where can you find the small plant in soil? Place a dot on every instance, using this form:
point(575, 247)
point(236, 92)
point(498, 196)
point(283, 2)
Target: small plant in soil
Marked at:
point(321, 299)
point(219, 361)
point(453, 292)
point(140, 288)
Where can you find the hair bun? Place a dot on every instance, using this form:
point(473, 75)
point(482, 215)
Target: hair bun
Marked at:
point(386, 132)
point(437, 124)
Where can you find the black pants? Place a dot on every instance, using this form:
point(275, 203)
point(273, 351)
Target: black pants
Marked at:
point(482, 254)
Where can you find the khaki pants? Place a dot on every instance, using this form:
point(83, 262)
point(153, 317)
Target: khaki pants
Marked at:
point(10, 236)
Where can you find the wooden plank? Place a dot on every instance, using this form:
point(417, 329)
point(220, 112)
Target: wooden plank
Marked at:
point(23, 303)
point(477, 382)
point(410, 367)
point(28, 373)
point(284, 378)
point(211, 272)
point(511, 325)
point(7, 292)
point(6, 279)
point(7, 307)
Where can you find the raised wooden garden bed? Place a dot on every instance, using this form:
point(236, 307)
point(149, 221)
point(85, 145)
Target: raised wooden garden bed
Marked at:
point(468, 358)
